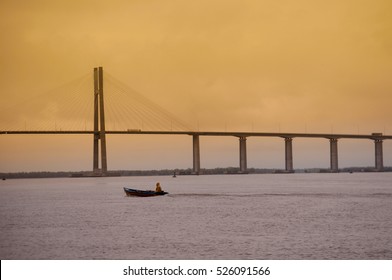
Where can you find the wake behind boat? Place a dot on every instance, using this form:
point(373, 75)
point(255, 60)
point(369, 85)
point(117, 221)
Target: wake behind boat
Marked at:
point(142, 193)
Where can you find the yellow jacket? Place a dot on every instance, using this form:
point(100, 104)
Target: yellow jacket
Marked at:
point(158, 188)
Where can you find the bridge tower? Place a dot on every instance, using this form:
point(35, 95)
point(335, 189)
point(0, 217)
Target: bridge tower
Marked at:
point(99, 124)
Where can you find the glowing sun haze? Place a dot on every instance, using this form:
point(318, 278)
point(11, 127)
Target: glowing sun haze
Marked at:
point(261, 65)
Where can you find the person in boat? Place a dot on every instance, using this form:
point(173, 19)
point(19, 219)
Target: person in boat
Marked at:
point(158, 187)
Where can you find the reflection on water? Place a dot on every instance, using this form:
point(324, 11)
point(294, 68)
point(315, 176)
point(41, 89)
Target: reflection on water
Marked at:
point(285, 216)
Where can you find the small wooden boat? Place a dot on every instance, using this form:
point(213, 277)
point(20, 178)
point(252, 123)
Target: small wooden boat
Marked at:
point(134, 192)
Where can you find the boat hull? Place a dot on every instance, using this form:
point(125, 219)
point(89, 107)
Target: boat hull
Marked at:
point(142, 193)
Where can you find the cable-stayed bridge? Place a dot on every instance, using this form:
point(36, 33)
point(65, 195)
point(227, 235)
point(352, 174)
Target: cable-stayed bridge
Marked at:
point(82, 107)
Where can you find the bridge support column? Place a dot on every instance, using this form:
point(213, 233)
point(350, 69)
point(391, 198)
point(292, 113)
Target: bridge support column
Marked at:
point(196, 154)
point(334, 154)
point(378, 155)
point(243, 160)
point(99, 125)
point(289, 154)
point(96, 124)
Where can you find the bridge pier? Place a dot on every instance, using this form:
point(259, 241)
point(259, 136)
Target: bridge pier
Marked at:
point(196, 154)
point(289, 154)
point(96, 153)
point(99, 125)
point(96, 131)
point(334, 154)
point(379, 164)
point(96, 124)
point(243, 160)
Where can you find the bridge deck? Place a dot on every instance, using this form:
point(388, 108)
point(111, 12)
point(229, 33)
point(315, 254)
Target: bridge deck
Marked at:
point(212, 133)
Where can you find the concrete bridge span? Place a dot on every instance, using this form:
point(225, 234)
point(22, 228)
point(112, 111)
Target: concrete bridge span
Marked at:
point(288, 138)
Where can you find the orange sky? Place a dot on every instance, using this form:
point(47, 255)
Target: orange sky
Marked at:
point(315, 66)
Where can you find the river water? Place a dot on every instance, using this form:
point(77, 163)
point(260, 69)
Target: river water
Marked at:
point(274, 216)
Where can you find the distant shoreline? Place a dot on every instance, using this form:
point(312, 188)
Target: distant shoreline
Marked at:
point(177, 172)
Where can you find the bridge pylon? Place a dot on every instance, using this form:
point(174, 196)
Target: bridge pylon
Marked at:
point(99, 124)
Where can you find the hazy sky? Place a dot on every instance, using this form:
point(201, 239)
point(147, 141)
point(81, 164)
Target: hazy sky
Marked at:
point(262, 65)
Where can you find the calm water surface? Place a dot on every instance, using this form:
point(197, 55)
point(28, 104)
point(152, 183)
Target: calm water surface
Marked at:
point(293, 216)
